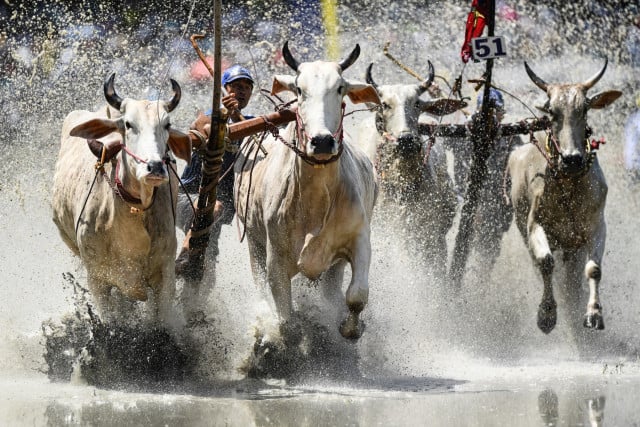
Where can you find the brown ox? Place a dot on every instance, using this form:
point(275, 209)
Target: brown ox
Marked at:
point(559, 198)
point(122, 225)
point(309, 210)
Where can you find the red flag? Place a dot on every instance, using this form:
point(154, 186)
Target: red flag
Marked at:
point(475, 26)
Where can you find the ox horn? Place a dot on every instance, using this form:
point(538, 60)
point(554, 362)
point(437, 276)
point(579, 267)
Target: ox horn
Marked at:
point(369, 78)
point(288, 57)
point(593, 80)
point(425, 84)
point(346, 63)
point(177, 93)
point(537, 80)
point(110, 93)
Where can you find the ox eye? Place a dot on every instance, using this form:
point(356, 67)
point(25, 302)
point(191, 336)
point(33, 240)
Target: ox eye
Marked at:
point(385, 106)
point(340, 90)
point(167, 126)
point(299, 91)
point(128, 125)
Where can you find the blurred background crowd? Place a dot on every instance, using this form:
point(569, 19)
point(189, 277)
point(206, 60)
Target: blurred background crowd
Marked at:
point(50, 48)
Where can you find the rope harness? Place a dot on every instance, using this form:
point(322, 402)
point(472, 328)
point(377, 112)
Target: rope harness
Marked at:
point(118, 188)
point(301, 135)
point(553, 155)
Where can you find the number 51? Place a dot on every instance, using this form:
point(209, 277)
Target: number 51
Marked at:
point(488, 47)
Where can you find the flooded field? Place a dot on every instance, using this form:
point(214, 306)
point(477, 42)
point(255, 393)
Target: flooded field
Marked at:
point(429, 355)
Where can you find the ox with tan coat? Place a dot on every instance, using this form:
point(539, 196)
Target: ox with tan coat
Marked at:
point(559, 197)
point(307, 204)
point(120, 219)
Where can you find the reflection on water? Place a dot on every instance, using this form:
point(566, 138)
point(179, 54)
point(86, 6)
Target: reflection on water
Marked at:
point(596, 411)
point(590, 411)
point(548, 407)
point(562, 401)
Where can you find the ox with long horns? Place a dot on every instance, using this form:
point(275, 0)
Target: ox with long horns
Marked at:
point(413, 176)
point(307, 205)
point(559, 194)
point(119, 217)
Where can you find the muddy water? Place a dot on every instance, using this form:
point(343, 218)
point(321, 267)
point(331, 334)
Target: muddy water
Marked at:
point(428, 356)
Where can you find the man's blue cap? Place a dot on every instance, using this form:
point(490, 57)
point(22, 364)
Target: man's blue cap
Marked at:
point(236, 72)
point(495, 99)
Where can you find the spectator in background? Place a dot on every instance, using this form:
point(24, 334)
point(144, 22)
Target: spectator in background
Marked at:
point(633, 42)
point(632, 142)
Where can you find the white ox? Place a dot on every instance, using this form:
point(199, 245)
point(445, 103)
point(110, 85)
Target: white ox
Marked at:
point(122, 225)
point(413, 177)
point(559, 199)
point(309, 210)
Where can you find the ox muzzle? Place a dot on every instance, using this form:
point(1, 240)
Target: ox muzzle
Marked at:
point(572, 163)
point(323, 144)
point(408, 145)
point(153, 173)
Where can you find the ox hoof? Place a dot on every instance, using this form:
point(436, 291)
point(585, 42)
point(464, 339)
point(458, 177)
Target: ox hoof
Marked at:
point(351, 328)
point(547, 316)
point(594, 321)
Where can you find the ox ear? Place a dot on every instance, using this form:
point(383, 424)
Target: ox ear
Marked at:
point(112, 145)
point(180, 145)
point(442, 107)
point(283, 82)
point(96, 128)
point(604, 99)
point(361, 92)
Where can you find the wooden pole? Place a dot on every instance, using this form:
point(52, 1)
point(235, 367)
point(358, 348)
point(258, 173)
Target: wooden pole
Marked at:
point(483, 133)
point(190, 263)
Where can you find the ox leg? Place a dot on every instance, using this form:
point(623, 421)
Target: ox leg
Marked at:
point(258, 262)
point(593, 318)
point(101, 292)
point(541, 253)
point(358, 291)
point(331, 283)
point(280, 286)
point(164, 299)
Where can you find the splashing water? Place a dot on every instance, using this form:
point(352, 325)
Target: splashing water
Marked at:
point(416, 325)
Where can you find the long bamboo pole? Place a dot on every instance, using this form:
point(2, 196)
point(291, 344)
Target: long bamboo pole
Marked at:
point(190, 263)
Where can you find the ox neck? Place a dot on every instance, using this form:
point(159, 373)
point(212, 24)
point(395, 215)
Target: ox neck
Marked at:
point(130, 190)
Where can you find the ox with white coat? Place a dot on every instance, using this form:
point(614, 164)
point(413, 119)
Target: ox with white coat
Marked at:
point(413, 177)
point(120, 220)
point(559, 198)
point(307, 205)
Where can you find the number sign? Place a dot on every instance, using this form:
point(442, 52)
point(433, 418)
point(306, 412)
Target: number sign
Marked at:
point(488, 47)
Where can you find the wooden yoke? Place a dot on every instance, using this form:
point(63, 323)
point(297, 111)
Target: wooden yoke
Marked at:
point(239, 130)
